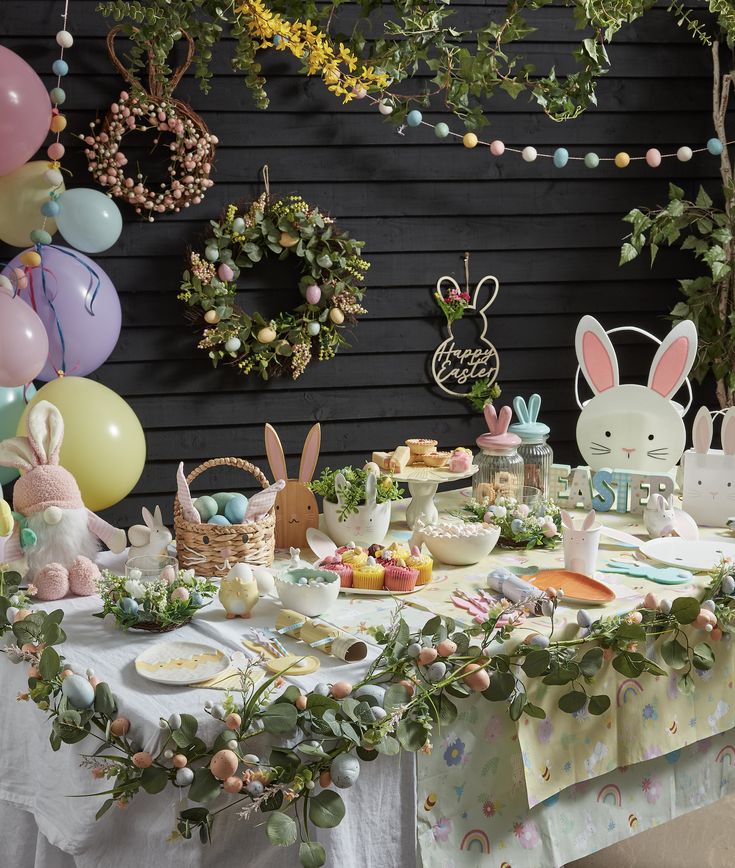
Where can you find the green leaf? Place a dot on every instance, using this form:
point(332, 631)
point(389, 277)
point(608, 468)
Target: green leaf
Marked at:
point(674, 653)
point(675, 192)
point(49, 664)
point(534, 711)
point(104, 701)
point(281, 830)
point(272, 803)
point(501, 686)
point(536, 663)
point(591, 663)
point(105, 807)
point(431, 626)
point(388, 745)
point(279, 719)
point(518, 703)
point(317, 705)
point(205, 787)
point(627, 253)
point(562, 675)
point(599, 704)
point(411, 734)
point(573, 701)
point(396, 696)
point(703, 657)
point(685, 609)
point(312, 854)
point(326, 809)
point(685, 683)
point(447, 710)
point(153, 780)
point(703, 200)
point(629, 664)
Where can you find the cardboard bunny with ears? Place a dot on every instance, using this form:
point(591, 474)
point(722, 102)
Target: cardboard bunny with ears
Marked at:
point(633, 427)
point(296, 506)
point(59, 535)
point(709, 474)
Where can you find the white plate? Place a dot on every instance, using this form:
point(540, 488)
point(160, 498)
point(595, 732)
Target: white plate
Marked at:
point(422, 473)
point(181, 662)
point(700, 555)
point(369, 592)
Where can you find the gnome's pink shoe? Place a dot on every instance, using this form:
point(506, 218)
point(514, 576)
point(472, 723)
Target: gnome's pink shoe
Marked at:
point(52, 582)
point(83, 576)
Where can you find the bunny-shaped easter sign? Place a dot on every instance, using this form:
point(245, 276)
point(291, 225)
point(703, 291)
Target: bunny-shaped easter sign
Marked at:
point(453, 366)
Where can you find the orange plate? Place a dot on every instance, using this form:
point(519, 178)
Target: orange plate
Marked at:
point(576, 587)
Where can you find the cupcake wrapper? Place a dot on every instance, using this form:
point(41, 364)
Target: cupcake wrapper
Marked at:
point(425, 574)
point(367, 582)
point(401, 579)
point(344, 571)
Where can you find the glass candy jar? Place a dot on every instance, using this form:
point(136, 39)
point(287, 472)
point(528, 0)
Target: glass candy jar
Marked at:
point(536, 453)
point(500, 467)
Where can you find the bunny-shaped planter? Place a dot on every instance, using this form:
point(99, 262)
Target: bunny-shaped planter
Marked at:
point(65, 532)
point(150, 539)
point(581, 544)
point(296, 507)
point(369, 524)
point(709, 474)
point(453, 366)
point(632, 427)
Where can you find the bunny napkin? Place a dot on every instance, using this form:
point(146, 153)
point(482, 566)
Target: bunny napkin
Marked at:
point(48, 497)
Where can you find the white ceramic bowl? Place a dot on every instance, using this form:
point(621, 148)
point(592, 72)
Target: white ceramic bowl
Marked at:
point(312, 599)
point(460, 551)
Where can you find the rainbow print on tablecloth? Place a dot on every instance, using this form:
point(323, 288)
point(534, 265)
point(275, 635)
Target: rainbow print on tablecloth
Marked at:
point(727, 753)
point(628, 689)
point(610, 795)
point(475, 841)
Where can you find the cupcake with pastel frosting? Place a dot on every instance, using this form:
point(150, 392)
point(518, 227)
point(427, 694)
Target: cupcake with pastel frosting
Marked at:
point(400, 577)
point(343, 570)
point(368, 575)
point(354, 556)
point(423, 563)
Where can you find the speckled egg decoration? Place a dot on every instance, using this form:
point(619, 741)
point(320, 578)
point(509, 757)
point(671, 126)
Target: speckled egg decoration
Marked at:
point(341, 689)
point(235, 509)
point(373, 692)
point(206, 507)
point(223, 764)
point(180, 594)
point(120, 726)
point(78, 691)
point(345, 770)
point(184, 777)
point(233, 785)
point(218, 519)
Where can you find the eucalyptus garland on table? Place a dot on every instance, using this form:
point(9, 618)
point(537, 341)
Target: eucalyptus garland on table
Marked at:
point(409, 690)
point(330, 286)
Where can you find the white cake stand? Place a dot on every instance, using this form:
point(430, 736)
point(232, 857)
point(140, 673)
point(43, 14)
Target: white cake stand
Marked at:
point(423, 483)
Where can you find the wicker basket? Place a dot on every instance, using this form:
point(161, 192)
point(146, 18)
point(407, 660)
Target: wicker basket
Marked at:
point(206, 548)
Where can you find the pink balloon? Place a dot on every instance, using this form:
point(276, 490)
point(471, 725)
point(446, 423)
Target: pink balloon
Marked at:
point(82, 299)
point(23, 342)
point(25, 111)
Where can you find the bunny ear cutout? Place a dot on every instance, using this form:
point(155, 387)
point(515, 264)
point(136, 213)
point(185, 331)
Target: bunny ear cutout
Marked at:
point(673, 359)
point(491, 417)
point(310, 455)
point(147, 518)
point(371, 489)
point(589, 520)
point(45, 432)
point(567, 520)
point(596, 355)
point(493, 293)
point(728, 432)
point(157, 517)
point(702, 431)
point(534, 407)
point(16, 452)
point(183, 492)
point(519, 405)
point(504, 418)
point(274, 451)
point(340, 487)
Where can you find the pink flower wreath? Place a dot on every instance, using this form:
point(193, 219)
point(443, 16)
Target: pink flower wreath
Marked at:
point(192, 151)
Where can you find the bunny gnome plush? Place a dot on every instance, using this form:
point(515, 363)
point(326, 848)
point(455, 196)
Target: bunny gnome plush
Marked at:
point(64, 535)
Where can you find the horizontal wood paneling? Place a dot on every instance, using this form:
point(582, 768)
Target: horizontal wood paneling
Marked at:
point(552, 237)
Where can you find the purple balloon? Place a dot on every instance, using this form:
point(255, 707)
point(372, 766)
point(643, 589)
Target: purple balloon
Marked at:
point(80, 301)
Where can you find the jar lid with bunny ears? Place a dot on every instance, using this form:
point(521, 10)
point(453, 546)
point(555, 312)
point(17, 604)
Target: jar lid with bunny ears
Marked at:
point(498, 437)
point(528, 428)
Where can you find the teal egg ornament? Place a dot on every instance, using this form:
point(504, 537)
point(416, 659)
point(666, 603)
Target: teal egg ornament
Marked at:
point(206, 507)
point(78, 691)
point(222, 498)
point(129, 606)
point(238, 226)
point(40, 236)
point(441, 130)
point(414, 118)
point(715, 147)
point(60, 67)
point(50, 208)
point(197, 599)
point(57, 95)
point(235, 509)
point(313, 329)
point(218, 519)
point(561, 157)
point(591, 160)
point(345, 770)
point(212, 254)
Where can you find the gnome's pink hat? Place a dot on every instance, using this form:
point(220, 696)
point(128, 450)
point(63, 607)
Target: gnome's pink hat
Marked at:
point(43, 481)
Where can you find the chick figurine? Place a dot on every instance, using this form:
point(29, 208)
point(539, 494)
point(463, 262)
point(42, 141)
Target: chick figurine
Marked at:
point(238, 592)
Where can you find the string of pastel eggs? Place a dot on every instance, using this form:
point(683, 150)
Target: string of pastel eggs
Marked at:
point(561, 156)
point(55, 151)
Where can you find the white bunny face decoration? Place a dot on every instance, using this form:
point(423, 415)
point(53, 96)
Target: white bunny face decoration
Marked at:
point(632, 427)
point(369, 524)
point(455, 368)
point(709, 474)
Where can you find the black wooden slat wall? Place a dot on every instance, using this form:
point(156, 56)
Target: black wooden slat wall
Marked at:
point(552, 237)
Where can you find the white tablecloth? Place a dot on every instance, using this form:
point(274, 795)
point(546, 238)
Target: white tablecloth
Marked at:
point(379, 830)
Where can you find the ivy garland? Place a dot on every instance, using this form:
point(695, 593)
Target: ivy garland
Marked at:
point(409, 689)
point(332, 273)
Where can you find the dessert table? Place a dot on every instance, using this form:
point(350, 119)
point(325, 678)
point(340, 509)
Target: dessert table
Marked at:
point(486, 792)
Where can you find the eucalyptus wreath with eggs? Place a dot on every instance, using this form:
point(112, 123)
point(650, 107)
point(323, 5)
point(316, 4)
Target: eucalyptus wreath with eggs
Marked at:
point(330, 286)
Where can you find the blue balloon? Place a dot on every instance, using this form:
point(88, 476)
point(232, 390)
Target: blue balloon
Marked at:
point(88, 220)
point(12, 405)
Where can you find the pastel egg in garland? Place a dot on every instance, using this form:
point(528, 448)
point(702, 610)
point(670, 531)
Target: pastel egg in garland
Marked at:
point(235, 509)
point(345, 770)
point(129, 606)
point(78, 691)
point(184, 777)
point(206, 507)
point(224, 764)
point(371, 691)
point(218, 519)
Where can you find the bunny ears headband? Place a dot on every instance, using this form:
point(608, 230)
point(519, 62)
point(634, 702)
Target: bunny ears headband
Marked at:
point(43, 443)
point(702, 431)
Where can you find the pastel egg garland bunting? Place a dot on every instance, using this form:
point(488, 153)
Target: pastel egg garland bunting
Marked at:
point(332, 271)
point(192, 149)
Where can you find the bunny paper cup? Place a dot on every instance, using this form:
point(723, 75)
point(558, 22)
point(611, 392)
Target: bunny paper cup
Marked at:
point(581, 544)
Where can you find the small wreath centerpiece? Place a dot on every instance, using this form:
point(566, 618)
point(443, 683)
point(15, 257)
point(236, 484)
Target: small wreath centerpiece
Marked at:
point(330, 286)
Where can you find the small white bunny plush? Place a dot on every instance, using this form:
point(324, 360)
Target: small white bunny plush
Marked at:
point(659, 516)
point(150, 539)
point(633, 427)
point(709, 474)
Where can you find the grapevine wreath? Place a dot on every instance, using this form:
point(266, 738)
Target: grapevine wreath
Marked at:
point(330, 286)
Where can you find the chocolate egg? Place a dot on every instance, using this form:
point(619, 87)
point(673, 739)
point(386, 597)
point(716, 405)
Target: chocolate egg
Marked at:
point(223, 764)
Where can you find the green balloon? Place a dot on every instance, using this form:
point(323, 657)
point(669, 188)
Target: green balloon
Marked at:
point(12, 405)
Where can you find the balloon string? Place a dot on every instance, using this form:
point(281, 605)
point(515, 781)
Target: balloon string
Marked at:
point(60, 371)
point(29, 277)
point(94, 278)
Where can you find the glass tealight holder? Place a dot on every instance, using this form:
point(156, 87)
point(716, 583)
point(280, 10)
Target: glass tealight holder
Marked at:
point(530, 496)
point(151, 568)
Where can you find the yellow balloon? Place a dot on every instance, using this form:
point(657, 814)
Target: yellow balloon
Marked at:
point(22, 193)
point(104, 444)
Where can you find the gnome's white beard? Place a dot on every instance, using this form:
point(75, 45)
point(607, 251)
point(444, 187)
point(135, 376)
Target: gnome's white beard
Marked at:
point(61, 543)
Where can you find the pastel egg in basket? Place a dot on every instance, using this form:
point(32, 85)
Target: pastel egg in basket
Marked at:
point(307, 590)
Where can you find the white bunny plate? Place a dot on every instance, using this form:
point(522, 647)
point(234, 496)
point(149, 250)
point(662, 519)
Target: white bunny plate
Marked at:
point(699, 556)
